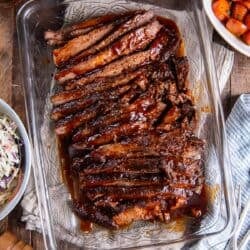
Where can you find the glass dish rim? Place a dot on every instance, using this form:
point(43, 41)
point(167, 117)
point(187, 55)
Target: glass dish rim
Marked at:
point(43, 200)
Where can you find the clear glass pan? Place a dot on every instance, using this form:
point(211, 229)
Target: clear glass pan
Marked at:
point(37, 16)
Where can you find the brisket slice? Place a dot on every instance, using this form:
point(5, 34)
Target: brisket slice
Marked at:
point(128, 212)
point(54, 38)
point(153, 144)
point(133, 41)
point(133, 23)
point(128, 63)
point(68, 124)
point(141, 179)
point(106, 194)
point(171, 166)
point(62, 35)
point(115, 68)
point(76, 45)
point(120, 166)
point(94, 214)
point(140, 123)
point(74, 106)
point(99, 86)
point(114, 134)
point(130, 112)
point(121, 216)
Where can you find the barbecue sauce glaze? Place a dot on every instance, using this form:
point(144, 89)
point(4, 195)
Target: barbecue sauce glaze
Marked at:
point(198, 203)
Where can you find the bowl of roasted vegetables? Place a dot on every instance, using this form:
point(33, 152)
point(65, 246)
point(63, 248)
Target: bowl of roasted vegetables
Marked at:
point(231, 19)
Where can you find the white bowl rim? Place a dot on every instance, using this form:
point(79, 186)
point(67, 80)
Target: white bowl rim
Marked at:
point(235, 42)
point(6, 109)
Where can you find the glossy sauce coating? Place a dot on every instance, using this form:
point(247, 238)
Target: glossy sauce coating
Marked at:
point(128, 148)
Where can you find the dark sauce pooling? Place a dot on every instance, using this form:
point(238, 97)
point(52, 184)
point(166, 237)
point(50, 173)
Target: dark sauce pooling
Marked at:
point(125, 123)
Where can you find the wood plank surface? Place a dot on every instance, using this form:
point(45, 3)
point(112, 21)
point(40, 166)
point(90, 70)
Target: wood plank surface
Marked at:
point(6, 43)
point(6, 51)
point(11, 91)
point(240, 77)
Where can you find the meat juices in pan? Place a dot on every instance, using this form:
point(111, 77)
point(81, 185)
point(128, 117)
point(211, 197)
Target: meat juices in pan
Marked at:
point(125, 120)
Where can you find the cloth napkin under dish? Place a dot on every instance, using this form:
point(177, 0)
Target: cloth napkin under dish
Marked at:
point(224, 62)
point(238, 135)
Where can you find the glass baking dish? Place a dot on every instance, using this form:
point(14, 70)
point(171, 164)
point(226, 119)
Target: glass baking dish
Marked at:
point(36, 17)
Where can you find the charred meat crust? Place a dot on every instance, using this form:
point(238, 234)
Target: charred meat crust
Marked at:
point(76, 45)
point(134, 22)
point(131, 42)
point(124, 107)
point(64, 34)
point(95, 87)
point(125, 64)
point(74, 106)
point(93, 214)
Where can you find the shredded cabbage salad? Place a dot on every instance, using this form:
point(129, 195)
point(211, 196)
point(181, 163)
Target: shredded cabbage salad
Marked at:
point(9, 157)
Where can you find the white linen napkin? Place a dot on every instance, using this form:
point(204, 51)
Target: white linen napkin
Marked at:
point(238, 135)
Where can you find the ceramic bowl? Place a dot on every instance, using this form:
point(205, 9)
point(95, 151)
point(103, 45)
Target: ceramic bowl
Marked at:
point(231, 39)
point(25, 161)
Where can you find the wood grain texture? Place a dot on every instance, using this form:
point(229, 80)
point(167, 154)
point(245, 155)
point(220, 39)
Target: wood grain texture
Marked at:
point(6, 28)
point(240, 77)
point(17, 227)
point(11, 90)
point(6, 52)
point(17, 86)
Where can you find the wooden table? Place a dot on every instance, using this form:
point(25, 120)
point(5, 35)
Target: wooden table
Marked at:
point(11, 91)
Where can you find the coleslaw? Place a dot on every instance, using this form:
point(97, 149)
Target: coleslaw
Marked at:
point(10, 158)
